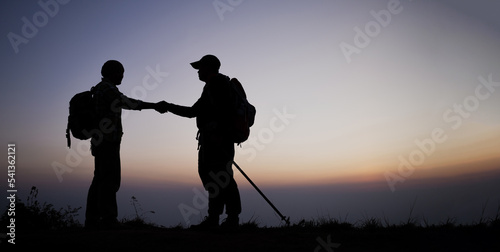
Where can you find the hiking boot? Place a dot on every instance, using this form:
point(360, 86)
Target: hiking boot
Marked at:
point(230, 223)
point(207, 223)
point(91, 225)
point(111, 224)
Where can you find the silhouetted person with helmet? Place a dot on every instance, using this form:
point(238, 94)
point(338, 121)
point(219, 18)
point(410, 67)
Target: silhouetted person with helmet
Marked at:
point(102, 211)
point(215, 145)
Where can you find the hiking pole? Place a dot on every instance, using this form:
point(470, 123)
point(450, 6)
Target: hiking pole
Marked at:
point(287, 220)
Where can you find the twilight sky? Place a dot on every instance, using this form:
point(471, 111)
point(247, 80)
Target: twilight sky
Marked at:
point(363, 107)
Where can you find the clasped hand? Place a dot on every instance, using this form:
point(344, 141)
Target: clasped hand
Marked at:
point(161, 107)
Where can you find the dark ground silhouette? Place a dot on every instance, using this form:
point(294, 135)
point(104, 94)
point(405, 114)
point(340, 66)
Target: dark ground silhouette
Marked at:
point(337, 237)
point(40, 225)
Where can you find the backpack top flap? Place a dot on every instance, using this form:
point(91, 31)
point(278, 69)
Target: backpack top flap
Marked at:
point(239, 88)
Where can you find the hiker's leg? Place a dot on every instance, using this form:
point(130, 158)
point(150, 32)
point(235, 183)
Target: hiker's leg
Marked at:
point(112, 178)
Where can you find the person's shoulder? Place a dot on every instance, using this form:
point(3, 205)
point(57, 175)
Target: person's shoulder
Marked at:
point(222, 78)
point(104, 86)
point(220, 82)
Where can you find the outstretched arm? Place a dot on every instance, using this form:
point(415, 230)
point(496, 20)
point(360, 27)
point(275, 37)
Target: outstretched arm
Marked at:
point(133, 104)
point(156, 106)
point(183, 111)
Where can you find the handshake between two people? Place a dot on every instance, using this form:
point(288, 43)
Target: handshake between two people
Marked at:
point(161, 107)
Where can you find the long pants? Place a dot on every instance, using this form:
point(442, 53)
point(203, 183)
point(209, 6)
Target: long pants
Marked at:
point(101, 198)
point(215, 169)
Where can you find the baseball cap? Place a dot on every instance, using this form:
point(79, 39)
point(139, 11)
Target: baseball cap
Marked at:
point(208, 61)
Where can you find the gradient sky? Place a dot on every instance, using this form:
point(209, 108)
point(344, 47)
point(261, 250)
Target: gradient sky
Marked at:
point(363, 107)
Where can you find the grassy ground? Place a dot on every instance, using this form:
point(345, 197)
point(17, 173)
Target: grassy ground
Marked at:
point(334, 237)
point(41, 226)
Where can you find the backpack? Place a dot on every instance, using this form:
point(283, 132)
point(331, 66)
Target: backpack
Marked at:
point(82, 116)
point(244, 113)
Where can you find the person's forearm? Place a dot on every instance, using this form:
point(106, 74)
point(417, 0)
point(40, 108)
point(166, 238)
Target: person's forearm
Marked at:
point(146, 105)
point(133, 104)
point(183, 111)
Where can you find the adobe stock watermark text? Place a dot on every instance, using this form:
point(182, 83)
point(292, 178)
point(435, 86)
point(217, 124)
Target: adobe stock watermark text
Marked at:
point(31, 26)
point(454, 117)
point(364, 35)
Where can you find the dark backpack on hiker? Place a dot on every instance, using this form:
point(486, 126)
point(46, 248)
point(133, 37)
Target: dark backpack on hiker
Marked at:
point(244, 113)
point(82, 116)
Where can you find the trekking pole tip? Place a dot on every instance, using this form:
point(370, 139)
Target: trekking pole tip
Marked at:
point(287, 220)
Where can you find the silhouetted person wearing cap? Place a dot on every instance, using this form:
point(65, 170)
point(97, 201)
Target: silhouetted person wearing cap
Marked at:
point(102, 211)
point(216, 148)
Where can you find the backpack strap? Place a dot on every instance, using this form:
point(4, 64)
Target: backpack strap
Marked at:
point(68, 136)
